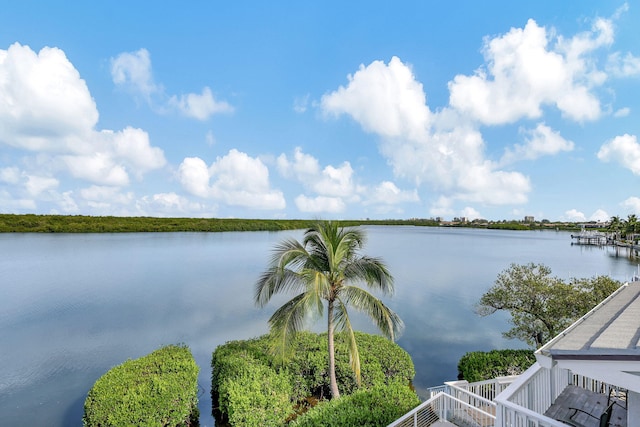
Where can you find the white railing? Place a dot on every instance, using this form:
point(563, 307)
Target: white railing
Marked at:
point(525, 402)
point(424, 414)
point(518, 401)
point(488, 389)
point(435, 390)
point(472, 399)
point(446, 407)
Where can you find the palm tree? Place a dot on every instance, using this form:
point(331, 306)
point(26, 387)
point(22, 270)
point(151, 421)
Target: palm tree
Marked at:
point(631, 226)
point(615, 225)
point(326, 267)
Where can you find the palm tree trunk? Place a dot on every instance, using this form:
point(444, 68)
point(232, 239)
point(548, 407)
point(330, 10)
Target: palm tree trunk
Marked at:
point(333, 384)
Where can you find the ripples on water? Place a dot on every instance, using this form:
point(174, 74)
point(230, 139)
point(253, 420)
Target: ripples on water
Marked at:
point(72, 306)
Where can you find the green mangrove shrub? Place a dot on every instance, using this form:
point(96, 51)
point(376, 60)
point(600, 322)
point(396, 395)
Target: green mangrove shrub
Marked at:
point(249, 386)
point(159, 389)
point(246, 390)
point(480, 365)
point(374, 407)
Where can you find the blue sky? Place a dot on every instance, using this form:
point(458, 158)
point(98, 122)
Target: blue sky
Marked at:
point(328, 109)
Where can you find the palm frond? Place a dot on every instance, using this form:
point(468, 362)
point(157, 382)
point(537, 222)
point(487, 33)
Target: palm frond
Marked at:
point(316, 282)
point(289, 253)
point(386, 320)
point(282, 274)
point(277, 280)
point(286, 321)
point(371, 271)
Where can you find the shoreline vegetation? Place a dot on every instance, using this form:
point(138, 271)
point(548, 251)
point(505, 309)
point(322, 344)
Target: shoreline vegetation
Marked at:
point(32, 223)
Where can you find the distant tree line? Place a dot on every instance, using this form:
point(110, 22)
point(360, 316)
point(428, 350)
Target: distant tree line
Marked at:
point(32, 223)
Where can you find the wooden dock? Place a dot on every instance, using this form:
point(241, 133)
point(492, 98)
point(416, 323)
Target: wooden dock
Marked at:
point(592, 238)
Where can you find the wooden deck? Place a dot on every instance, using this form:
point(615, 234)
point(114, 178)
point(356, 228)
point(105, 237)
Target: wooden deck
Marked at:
point(590, 403)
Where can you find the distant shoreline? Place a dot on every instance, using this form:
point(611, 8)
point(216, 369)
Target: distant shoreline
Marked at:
point(32, 223)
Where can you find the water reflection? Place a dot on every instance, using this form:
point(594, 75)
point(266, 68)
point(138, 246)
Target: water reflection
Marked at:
point(72, 306)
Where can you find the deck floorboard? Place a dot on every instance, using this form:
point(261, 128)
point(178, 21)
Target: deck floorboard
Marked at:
point(587, 401)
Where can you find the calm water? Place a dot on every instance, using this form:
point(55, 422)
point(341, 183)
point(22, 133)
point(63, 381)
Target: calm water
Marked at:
point(73, 306)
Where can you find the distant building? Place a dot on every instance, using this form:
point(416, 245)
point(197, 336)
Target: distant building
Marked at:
point(529, 219)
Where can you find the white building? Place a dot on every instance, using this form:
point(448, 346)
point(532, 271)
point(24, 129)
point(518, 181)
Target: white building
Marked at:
point(589, 375)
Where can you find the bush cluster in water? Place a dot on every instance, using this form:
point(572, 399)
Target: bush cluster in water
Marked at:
point(249, 387)
point(159, 389)
point(480, 366)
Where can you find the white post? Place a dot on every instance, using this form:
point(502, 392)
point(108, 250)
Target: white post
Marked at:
point(633, 411)
point(499, 416)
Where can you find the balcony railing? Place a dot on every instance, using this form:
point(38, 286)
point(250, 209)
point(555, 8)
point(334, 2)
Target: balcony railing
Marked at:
point(458, 401)
point(445, 407)
point(525, 402)
point(488, 389)
point(491, 403)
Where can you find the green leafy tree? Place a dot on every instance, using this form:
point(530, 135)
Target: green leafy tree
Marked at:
point(327, 267)
point(542, 306)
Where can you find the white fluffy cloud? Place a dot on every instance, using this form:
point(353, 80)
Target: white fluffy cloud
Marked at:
point(132, 70)
point(524, 73)
point(442, 207)
point(303, 167)
point(236, 179)
point(35, 185)
point(470, 213)
point(574, 215)
point(201, 106)
point(10, 175)
point(194, 176)
point(600, 215)
point(44, 104)
point(436, 149)
point(332, 186)
point(622, 112)
point(320, 204)
point(336, 181)
point(541, 141)
point(387, 193)
point(384, 99)
point(113, 156)
point(624, 150)
point(97, 167)
point(632, 204)
point(98, 194)
point(170, 204)
point(11, 204)
point(46, 107)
